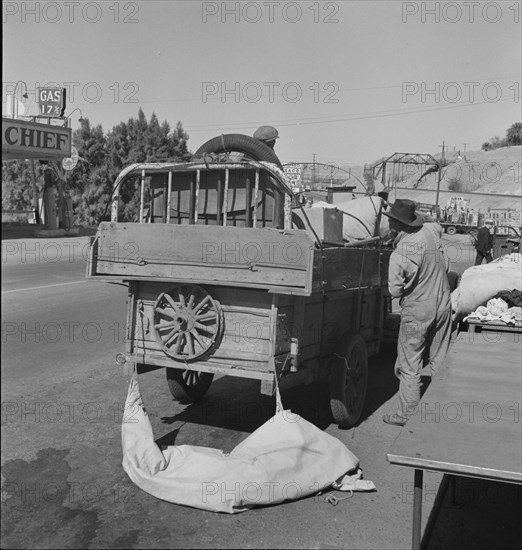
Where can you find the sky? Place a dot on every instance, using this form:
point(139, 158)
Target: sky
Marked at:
point(346, 81)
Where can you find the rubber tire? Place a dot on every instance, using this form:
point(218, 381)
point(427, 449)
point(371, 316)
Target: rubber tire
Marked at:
point(347, 414)
point(451, 230)
point(239, 143)
point(183, 392)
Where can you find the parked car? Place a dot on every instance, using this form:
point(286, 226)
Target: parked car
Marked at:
point(506, 240)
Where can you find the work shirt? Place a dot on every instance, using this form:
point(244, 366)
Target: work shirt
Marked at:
point(417, 274)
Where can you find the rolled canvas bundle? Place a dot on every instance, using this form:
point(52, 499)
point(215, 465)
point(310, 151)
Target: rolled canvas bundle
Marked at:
point(480, 283)
point(362, 217)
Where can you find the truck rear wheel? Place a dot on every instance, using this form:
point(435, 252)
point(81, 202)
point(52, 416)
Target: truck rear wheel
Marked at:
point(188, 386)
point(349, 381)
point(451, 230)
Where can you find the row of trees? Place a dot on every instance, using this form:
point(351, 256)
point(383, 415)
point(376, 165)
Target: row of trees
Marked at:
point(513, 137)
point(101, 157)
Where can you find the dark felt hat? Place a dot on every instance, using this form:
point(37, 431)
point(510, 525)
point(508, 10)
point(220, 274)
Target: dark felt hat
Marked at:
point(403, 210)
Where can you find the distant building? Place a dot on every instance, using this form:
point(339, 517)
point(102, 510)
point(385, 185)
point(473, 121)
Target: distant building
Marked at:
point(505, 217)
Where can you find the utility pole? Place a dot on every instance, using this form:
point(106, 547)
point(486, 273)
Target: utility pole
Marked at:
point(439, 178)
point(36, 205)
point(314, 172)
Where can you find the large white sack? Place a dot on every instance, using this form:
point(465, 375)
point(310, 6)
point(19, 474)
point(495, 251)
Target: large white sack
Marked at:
point(285, 459)
point(362, 217)
point(480, 283)
point(384, 228)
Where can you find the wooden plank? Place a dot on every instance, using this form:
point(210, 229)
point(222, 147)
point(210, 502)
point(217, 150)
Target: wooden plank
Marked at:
point(468, 422)
point(265, 258)
point(256, 371)
point(248, 202)
point(169, 191)
point(256, 194)
point(142, 194)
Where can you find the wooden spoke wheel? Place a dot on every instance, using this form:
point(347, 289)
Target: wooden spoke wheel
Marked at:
point(187, 322)
point(348, 381)
point(188, 386)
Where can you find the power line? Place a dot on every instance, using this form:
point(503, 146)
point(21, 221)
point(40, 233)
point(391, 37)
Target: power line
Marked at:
point(335, 118)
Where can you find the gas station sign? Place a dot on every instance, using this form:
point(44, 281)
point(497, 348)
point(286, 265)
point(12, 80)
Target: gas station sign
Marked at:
point(51, 101)
point(32, 140)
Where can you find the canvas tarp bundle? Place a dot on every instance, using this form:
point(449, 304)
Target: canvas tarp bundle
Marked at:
point(285, 459)
point(362, 217)
point(480, 283)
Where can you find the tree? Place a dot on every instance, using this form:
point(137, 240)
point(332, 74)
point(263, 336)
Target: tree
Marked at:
point(101, 158)
point(90, 183)
point(140, 141)
point(514, 134)
point(17, 190)
point(497, 142)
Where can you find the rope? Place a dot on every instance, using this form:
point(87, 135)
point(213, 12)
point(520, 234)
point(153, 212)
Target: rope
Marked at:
point(279, 402)
point(333, 500)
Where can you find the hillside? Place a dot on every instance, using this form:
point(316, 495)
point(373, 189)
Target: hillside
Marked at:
point(476, 175)
point(497, 171)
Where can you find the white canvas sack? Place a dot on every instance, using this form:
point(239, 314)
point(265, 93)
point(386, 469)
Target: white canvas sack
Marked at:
point(285, 459)
point(480, 283)
point(362, 217)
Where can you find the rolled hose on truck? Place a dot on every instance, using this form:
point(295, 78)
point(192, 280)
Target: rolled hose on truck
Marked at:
point(239, 143)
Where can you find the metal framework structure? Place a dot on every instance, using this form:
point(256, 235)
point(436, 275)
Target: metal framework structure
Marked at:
point(379, 166)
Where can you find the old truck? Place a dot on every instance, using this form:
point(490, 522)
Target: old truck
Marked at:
point(226, 278)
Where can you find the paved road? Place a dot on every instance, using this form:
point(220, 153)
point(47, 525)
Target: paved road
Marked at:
point(54, 321)
point(62, 400)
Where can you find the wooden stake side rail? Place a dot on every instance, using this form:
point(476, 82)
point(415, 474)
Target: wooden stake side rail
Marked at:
point(468, 422)
point(281, 261)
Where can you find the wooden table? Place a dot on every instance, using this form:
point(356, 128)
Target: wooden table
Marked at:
point(468, 422)
point(493, 326)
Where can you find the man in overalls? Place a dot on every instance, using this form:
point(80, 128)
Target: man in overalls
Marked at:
point(417, 276)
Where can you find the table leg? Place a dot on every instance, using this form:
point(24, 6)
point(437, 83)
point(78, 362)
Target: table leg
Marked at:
point(417, 509)
point(453, 502)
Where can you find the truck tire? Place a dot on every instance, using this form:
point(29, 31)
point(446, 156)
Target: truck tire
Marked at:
point(349, 380)
point(239, 143)
point(451, 230)
point(188, 386)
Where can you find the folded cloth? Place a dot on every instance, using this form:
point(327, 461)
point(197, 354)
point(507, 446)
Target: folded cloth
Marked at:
point(511, 297)
point(497, 310)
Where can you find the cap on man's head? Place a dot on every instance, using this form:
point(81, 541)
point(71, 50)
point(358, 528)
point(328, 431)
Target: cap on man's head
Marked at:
point(266, 133)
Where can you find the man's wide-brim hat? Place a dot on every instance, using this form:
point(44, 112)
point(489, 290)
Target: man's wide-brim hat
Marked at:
point(266, 133)
point(403, 210)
